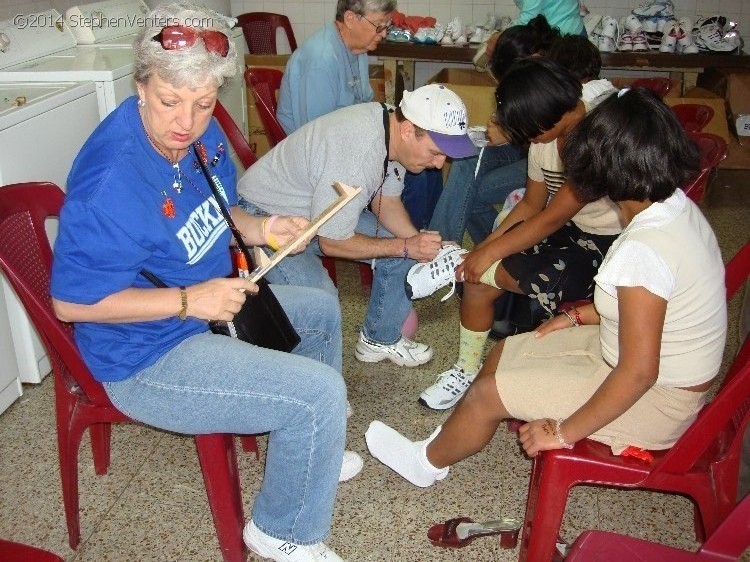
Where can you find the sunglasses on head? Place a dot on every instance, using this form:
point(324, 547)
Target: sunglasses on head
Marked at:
point(178, 37)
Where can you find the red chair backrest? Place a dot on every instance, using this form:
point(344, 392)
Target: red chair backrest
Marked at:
point(713, 149)
point(234, 136)
point(693, 116)
point(660, 86)
point(717, 434)
point(264, 83)
point(26, 261)
point(259, 29)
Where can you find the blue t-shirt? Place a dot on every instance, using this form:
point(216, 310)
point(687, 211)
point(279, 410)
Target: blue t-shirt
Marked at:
point(321, 76)
point(114, 223)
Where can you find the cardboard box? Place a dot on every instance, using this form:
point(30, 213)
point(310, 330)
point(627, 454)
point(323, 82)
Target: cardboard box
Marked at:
point(476, 89)
point(256, 132)
point(738, 96)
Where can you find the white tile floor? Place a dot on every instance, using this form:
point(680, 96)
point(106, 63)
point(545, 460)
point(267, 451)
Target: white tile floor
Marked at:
point(152, 506)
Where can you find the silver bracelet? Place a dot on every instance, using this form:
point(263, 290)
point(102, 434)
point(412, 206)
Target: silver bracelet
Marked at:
point(559, 436)
point(572, 320)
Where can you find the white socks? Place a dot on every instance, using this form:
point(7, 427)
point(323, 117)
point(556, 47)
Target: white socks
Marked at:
point(408, 458)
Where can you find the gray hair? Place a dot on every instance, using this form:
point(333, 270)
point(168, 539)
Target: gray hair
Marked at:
point(361, 7)
point(191, 67)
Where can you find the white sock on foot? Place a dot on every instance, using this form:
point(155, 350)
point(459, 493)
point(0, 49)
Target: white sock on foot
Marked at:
point(408, 458)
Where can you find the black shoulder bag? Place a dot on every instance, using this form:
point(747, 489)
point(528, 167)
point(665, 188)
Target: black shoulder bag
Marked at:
point(261, 321)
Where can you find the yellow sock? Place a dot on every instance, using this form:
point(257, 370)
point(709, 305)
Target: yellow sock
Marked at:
point(488, 277)
point(471, 349)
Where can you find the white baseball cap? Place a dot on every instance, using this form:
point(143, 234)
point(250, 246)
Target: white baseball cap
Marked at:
point(441, 113)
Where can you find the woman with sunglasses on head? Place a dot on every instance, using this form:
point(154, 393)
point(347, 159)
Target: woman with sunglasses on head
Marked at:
point(330, 70)
point(138, 201)
point(634, 367)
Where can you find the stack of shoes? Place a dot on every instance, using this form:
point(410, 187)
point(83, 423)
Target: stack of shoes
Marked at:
point(685, 40)
point(454, 34)
point(714, 35)
point(654, 15)
point(632, 36)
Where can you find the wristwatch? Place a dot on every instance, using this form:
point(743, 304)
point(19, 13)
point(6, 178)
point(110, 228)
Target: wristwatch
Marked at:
point(182, 314)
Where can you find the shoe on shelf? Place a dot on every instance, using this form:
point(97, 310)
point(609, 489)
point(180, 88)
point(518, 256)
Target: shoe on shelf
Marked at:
point(609, 27)
point(632, 23)
point(350, 466)
point(655, 8)
point(405, 352)
point(640, 42)
point(503, 23)
point(711, 37)
point(282, 551)
point(685, 41)
point(424, 279)
point(626, 43)
point(606, 44)
point(449, 387)
point(477, 35)
point(669, 37)
point(461, 41)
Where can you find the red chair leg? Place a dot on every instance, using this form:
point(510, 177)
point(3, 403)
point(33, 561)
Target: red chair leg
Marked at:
point(218, 459)
point(250, 445)
point(330, 265)
point(544, 511)
point(100, 434)
point(365, 277)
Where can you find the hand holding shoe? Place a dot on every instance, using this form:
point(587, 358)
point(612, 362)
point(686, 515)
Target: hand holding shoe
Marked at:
point(424, 246)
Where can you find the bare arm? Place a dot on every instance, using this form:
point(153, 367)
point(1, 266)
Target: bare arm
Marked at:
point(393, 216)
point(216, 299)
point(641, 324)
point(284, 228)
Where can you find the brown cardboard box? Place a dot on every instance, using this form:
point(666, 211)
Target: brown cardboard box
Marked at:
point(257, 134)
point(476, 89)
point(738, 96)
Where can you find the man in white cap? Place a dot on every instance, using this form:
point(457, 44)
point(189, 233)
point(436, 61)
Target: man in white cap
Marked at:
point(370, 146)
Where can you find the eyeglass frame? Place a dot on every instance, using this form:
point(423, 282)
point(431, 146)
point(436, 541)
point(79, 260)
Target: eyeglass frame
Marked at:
point(197, 34)
point(378, 28)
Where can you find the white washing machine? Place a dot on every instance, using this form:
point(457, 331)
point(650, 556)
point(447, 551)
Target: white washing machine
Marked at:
point(42, 128)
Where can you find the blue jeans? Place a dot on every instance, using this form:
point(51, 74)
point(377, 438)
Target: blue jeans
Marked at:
point(389, 305)
point(216, 384)
point(468, 203)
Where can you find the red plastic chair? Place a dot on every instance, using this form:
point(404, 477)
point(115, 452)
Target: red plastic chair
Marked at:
point(234, 136)
point(259, 29)
point(713, 149)
point(693, 116)
point(728, 542)
point(81, 402)
point(660, 86)
point(265, 82)
point(16, 552)
point(702, 465)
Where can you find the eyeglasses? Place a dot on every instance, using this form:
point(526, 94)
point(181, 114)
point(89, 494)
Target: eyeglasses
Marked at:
point(178, 37)
point(379, 28)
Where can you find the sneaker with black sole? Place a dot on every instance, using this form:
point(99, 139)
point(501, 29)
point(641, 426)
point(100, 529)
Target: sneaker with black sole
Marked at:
point(279, 550)
point(404, 352)
point(448, 389)
point(424, 279)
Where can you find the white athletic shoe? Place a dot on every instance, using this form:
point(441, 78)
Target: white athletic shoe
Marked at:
point(448, 389)
point(350, 466)
point(282, 551)
point(424, 279)
point(404, 352)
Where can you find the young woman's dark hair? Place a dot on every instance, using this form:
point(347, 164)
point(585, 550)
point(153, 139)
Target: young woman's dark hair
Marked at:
point(631, 147)
point(521, 41)
point(577, 54)
point(533, 96)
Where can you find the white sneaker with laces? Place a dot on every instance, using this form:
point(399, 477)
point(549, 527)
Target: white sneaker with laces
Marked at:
point(404, 352)
point(351, 464)
point(655, 8)
point(282, 551)
point(424, 279)
point(449, 387)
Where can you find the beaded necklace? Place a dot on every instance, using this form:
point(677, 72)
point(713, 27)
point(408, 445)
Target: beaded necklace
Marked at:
point(177, 184)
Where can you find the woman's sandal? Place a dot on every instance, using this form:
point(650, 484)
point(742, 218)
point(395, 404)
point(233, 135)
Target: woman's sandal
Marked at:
point(459, 532)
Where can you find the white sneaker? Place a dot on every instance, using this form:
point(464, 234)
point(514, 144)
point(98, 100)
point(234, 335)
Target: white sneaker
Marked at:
point(655, 8)
point(424, 279)
point(669, 37)
point(350, 466)
point(448, 389)
point(282, 551)
point(632, 23)
point(609, 27)
point(640, 41)
point(404, 352)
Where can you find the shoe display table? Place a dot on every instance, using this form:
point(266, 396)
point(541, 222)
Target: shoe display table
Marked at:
point(685, 68)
